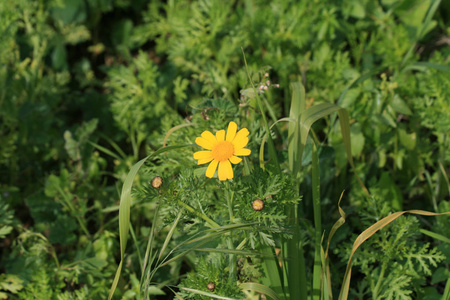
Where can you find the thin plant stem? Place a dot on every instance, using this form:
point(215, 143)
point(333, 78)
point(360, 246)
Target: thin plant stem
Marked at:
point(380, 280)
point(229, 194)
point(199, 214)
point(133, 235)
point(316, 291)
point(272, 151)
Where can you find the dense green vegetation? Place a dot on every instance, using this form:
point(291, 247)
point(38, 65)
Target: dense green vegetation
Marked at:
point(88, 88)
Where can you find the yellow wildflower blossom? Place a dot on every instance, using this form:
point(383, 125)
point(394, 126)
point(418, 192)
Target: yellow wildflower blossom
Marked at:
point(222, 151)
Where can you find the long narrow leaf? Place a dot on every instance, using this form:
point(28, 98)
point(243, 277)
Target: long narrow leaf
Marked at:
point(169, 235)
point(260, 288)
point(436, 236)
point(298, 106)
point(124, 209)
point(263, 142)
point(317, 270)
point(171, 130)
point(207, 294)
point(345, 131)
point(272, 270)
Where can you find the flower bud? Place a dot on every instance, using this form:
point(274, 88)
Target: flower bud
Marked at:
point(258, 205)
point(211, 286)
point(157, 182)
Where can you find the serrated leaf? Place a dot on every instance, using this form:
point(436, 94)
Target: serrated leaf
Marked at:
point(10, 283)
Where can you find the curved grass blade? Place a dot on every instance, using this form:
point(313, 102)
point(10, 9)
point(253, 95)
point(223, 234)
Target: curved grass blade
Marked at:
point(207, 294)
point(424, 66)
point(367, 234)
point(171, 130)
point(203, 239)
point(260, 288)
point(124, 209)
point(263, 142)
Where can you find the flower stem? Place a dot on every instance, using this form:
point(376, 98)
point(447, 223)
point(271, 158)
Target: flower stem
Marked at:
point(199, 214)
point(229, 194)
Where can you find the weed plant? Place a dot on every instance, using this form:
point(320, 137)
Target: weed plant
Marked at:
point(347, 108)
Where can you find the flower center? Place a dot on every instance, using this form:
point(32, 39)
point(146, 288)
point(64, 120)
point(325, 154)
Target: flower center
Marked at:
point(223, 151)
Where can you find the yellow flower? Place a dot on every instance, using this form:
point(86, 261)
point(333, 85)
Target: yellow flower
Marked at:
point(222, 150)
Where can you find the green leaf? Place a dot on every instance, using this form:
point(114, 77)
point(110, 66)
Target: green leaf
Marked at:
point(441, 274)
point(298, 106)
point(407, 140)
point(400, 106)
point(357, 139)
point(71, 146)
point(367, 234)
point(10, 283)
point(124, 209)
point(260, 288)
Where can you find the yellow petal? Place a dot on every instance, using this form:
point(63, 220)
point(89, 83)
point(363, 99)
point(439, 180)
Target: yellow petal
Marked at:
point(204, 143)
point(241, 134)
point(220, 135)
point(204, 160)
point(212, 168)
point(225, 170)
point(242, 152)
point(240, 143)
point(235, 159)
point(231, 132)
point(202, 154)
point(209, 137)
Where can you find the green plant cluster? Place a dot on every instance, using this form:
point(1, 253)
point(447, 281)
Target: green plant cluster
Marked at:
point(90, 87)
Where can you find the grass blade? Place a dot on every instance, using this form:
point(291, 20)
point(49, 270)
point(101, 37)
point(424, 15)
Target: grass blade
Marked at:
point(169, 235)
point(124, 209)
point(263, 142)
point(207, 294)
point(174, 129)
point(260, 288)
point(317, 271)
point(345, 131)
point(298, 106)
point(272, 270)
point(436, 236)
point(105, 150)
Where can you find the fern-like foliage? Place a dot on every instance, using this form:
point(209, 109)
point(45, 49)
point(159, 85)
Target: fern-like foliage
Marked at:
point(395, 262)
point(6, 218)
point(207, 271)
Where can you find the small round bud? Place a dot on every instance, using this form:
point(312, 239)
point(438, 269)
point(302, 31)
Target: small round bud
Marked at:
point(157, 182)
point(268, 197)
point(211, 286)
point(258, 205)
